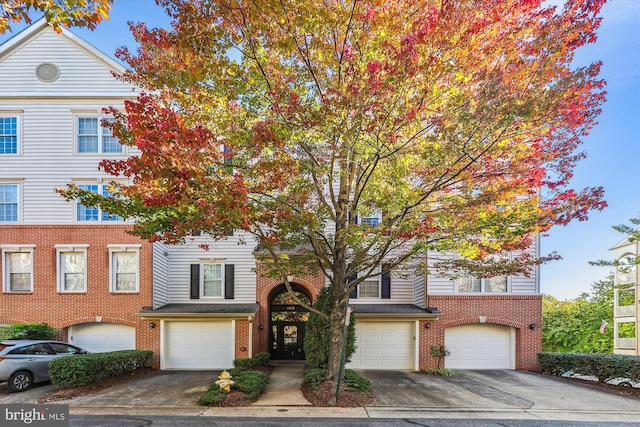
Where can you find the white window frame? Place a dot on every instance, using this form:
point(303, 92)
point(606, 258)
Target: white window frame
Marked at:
point(18, 117)
point(633, 270)
point(377, 279)
point(18, 204)
point(484, 285)
point(61, 251)
point(114, 250)
point(102, 132)
point(102, 189)
point(213, 261)
point(7, 250)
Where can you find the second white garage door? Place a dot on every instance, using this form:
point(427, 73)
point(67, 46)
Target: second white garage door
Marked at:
point(480, 346)
point(103, 337)
point(198, 345)
point(384, 345)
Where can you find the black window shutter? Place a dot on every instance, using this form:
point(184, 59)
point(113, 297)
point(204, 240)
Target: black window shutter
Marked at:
point(354, 292)
point(386, 283)
point(229, 280)
point(195, 281)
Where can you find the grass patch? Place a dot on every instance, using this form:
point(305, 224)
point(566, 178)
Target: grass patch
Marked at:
point(442, 372)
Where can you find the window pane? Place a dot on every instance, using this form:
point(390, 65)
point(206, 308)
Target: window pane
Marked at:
point(496, 284)
point(88, 213)
point(125, 271)
point(212, 282)
point(8, 203)
point(372, 221)
point(106, 216)
point(110, 143)
point(369, 288)
point(8, 135)
point(626, 271)
point(88, 135)
point(73, 276)
point(20, 267)
point(469, 284)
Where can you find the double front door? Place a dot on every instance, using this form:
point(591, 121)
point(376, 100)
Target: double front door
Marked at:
point(287, 339)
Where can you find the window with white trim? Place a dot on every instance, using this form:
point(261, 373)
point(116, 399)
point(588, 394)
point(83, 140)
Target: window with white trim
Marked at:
point(212, 280)
point(369, 288)
point(72, 268)
point(124, 268)
point(469, 284)
point(92, 213)
point(9, 135)
point(626, 270)
point(17, 267)
point(93, 138)
point(9, 202)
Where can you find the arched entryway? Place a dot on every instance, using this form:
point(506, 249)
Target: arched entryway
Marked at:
point(287, 323)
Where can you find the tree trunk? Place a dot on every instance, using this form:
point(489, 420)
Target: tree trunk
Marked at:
point(336, 333)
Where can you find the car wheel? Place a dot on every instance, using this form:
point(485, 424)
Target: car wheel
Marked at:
point(20, 381)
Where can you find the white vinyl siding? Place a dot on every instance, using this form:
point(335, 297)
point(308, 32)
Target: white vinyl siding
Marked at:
point(160, 275)
point(81, 72)
point(198, 345)
point(236, 249)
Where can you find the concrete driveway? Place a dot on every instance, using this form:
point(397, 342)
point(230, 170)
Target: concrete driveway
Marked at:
point(492, 390)
point(506, 394)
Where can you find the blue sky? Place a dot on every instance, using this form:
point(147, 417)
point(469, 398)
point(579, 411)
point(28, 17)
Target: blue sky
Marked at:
point(613, 147)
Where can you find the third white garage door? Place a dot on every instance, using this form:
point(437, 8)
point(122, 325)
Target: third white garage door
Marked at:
point(102, 337)
point(384, 345)
point(198, 345)
point(480, 346)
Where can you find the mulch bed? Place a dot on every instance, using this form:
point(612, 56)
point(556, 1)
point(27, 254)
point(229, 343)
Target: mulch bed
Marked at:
point(326, 394)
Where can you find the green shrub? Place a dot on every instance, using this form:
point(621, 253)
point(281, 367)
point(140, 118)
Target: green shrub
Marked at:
point(443, 372)
point(247, 381)
point(252, 383)
point(28, 331)
point(314, 377)
point(604, 367)
point(356, 382)
point(262, 359)
point(316, 339)
point(81, 369)
point(213, 397)
point(244, 362)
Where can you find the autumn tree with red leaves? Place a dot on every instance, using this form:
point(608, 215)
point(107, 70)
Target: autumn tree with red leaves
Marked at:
point(68, 13)
point(458, 122)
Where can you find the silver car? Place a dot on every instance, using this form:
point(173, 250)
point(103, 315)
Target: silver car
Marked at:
point(25, 362)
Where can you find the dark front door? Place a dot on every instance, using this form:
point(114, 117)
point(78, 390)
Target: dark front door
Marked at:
point(287, 340)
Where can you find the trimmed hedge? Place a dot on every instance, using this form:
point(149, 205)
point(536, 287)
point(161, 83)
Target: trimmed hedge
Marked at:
point(81, 369)
point(604, 367)
point(253, 383)
point(260, 359)
point(28, 331)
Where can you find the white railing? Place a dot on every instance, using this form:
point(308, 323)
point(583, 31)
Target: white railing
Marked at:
point(626, 343)
point(625, 310)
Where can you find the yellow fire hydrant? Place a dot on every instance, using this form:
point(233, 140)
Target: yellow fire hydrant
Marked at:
point(224, 381)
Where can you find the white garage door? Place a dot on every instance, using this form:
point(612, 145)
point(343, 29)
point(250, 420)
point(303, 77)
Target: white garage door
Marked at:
point(198, 345)
point(384, 345)
point(480, 347)
point(102, 337)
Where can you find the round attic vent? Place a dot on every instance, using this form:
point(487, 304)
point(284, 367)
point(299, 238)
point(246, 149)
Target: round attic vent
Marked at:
point(47, 72)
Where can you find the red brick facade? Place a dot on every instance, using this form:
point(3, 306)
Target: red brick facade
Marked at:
point(98, 304)
point(517, 311)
